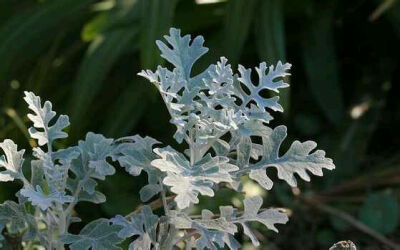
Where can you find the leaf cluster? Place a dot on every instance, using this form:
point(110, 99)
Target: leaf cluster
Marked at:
point(222, 118)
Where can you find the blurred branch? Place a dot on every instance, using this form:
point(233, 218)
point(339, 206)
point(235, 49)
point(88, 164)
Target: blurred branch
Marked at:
point(381, 178)
point(20, 124)
point(154, 205)
point(350, 219)
point(381, 9)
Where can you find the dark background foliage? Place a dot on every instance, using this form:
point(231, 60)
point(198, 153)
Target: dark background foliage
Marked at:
point(84, 55)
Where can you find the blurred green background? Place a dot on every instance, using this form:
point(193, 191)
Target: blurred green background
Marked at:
point(84, 55)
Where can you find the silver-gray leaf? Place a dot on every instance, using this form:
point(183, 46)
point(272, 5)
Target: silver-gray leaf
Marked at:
point(12, 161)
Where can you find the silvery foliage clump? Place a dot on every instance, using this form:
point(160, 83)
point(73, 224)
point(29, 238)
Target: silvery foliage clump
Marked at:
point(222, 119)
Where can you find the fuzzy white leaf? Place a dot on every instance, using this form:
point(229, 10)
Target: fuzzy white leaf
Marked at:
point(184, 52)
point(44, 201)
point(12, 161)
point(297, 160)
point(266, 81)
point(268, 217)
point(188, 181)
point(95, 150)
point(41, 117)
point(17, 220)
point(143, 224)
point(97, 235)
point(214, 232)
point(135, 154)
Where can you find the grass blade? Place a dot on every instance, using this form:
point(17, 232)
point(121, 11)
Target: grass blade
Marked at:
point(321, 65)
point(236, 29)
point(270, 39)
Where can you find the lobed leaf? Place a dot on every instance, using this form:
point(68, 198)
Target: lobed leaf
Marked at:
point(44, 201)
point(135, 154)
point(97, 235)
point(143, 225)
point(16, 219)
point(273, 80)
point(184, 52)
point(297, 160)
point(188, 181)
point(268, 217)
point(12, 161)
point(41, 117)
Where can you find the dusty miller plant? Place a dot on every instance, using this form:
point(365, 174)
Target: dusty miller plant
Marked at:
point(221, 117)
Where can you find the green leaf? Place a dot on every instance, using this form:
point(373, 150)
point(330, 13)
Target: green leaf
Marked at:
point(270, 32)
point(36, 29)
point(95, 27)
point(101, 56)
point(154, 23)
point(97, 235)
point(236, 29)
point(12, 161)
point(380, 212)
point(321, 65)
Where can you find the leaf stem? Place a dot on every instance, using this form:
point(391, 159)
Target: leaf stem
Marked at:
point(163, 198)
point(184, 237)
point(192, 148)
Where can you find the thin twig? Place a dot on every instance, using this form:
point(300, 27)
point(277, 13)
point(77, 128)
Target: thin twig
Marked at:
point(385, 178)
point(185, 237)
point(163, 198)
point(154, 205)
point(351, 220)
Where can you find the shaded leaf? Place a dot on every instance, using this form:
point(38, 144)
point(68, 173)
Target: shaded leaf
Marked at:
point(143, 224)
point(44, 201)
point(270, 38)
point(16, 219)
point(321, 65)
point(12, 161)
point(268, 217)
point(97, 235)
point(236, 29)
point(380, 212)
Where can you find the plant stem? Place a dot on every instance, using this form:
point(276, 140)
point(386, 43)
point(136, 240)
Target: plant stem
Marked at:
point(210, 143)
point(163, 197)
point(192, 148)
point(71, 205)
point(185, 237)
point(153, 205)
